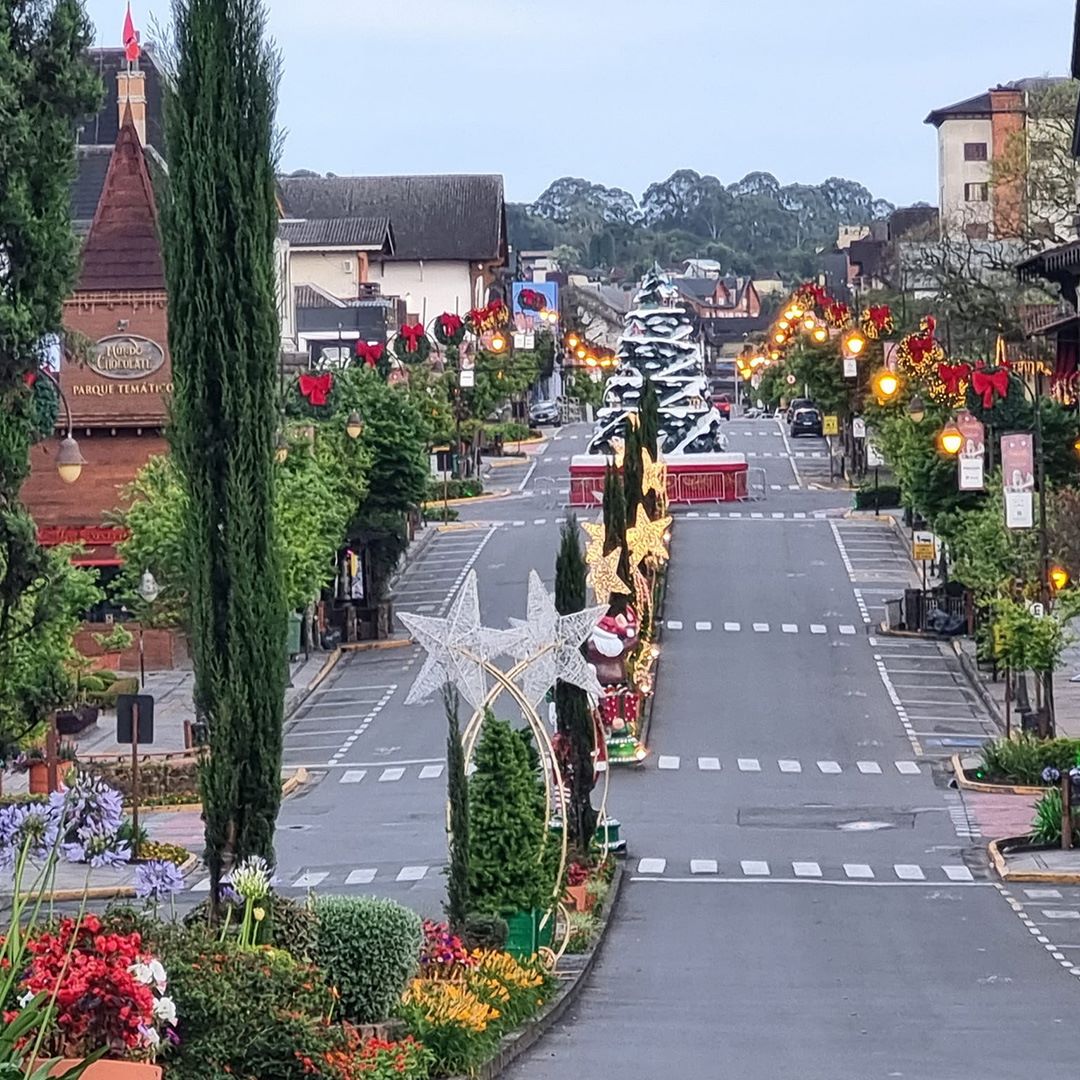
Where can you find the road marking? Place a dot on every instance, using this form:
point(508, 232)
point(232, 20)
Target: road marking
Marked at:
point(817, 628)
point(674, 624)
point(749, 764)
point(352, 776)
point(1058, 913)
point(708, 764)
point(411, 873)
point(789, 766)
point(829, 767)
point(858, 870)
point(789, 628)
point(869, 767)
point(761, 628)
point(540, 521)
point(958, 873)
point(201, 886)
point(1042, 894)
point(667, 762)
point(806, 869)
point(703, 626)
point(908, 768)
point(703, 866)
point(310, 880)
point(431, 772)
point(909, 872)
point(389, 775)
point(652, 866)
point(847, 630)
point(732, 627)
point(753, 868)
point(361, 877)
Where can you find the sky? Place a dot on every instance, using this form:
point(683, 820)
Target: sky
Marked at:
point(624, 92)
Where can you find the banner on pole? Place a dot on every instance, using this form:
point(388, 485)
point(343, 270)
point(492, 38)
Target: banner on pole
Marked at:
point(1018, 469)
point(972, 452)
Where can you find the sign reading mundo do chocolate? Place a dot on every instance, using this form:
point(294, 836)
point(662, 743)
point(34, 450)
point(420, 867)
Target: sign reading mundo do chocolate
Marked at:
point(125, 357)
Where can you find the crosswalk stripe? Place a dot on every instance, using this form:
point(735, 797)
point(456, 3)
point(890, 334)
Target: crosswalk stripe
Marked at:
point(667, 761)
point(361, 877)
point(749, 764)
point(755, 868)
point(651, 866)
point(817, 628)
point(674, 624)
point(858, 870)
point(389, 775)
point(431, 772)
point(352, 776)
point(708, 764)
point(732, 627)
point(761, 628)
point(908, 768)
point(868, 767)
point(848, 630)
point(703, 866)
point(311, 879)
point(411, 873)
point(703, 626)
point(958, 873)
point(201, 886)
point(909, 872)
point(830, 767)
point(789, 766)
point(789, 628)
point(806, 869)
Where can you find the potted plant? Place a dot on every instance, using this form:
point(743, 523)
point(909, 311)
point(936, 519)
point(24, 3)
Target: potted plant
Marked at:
point(89, 685)
point(118, 640)
point(35, 762)
point(576, 892)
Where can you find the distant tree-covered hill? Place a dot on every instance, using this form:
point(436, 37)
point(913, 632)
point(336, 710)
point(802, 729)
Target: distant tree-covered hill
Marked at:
point(753, 226)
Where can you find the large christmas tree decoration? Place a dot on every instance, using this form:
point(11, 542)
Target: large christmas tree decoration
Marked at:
point(660, 344)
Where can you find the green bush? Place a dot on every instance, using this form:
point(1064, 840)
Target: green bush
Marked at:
point(887, 495)
point(1046, 828)
point(1021, 760)
point(291, 925)
point(369, 948)
point(485, 932)
point(583, 926)
point(468, 488)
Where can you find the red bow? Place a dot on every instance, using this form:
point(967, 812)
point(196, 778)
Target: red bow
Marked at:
point(412, 336)
point(316, 387)
point(370, 352)
point(988, 384)
point(451, 324)
point(952, 375)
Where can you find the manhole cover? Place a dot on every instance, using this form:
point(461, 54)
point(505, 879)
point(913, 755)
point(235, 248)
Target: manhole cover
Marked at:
point(864, 826)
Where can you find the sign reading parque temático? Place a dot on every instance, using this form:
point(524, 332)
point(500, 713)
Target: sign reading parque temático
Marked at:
point(125, 357)
point(109, 389)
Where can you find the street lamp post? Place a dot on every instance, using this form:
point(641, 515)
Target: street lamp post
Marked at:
point(149, 591)
point(69, 460)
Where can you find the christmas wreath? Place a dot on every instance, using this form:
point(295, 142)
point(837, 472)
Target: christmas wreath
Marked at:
point(920, 358)
point(312, 395)
point(491, 317)
point(994, 395)
point(412, 344)
point(449, 329)
point(877, 322)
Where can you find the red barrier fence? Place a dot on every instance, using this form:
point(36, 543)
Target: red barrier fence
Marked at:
point(697, 478)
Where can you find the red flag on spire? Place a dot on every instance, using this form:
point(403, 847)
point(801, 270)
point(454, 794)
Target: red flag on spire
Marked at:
point(131, 37)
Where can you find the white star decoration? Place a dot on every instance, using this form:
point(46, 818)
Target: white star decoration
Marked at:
point(553, 643)
point(457, 648)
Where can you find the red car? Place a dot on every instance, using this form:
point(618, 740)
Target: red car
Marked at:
point(722, 404)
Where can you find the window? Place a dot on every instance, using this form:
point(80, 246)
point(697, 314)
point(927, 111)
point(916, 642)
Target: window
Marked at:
point(975, 151)
point(976, 192)
point(977, 231)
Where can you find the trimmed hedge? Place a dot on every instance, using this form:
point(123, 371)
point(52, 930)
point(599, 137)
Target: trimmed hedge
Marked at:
point(369, 949)
point(1021, 760)
point(887, 495)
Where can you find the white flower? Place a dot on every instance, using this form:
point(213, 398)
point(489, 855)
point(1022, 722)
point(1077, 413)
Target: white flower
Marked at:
point(165, 1010)
point(141, 973)
point(151, 1037)
point(26, 999)
point(252, 878)
point(157, 973)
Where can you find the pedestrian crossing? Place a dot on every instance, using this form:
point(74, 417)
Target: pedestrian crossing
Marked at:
point(341, 877)
point(706, 626)
point(800, 454)
point(789, 766)
point(808, 870)
point(391, 774)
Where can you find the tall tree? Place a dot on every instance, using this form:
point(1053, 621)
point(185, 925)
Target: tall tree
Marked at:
point(219, 227)
point(45, 89)
point(457, 873)
point(649, 411)
point(633, 474)
point(571, 702)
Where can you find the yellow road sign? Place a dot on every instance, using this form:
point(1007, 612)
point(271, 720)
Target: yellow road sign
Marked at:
point(830, 425)
point(923, 548)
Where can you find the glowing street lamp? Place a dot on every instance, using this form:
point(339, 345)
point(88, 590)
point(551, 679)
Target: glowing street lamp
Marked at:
point(854, 344)
point(886, 384)
point(820, 334)
point(354, 426)
point(916, 409)
point(1059, 577)
point(951, 439)
point(498, 342)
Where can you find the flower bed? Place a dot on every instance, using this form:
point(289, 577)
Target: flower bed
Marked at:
point(1024, 759)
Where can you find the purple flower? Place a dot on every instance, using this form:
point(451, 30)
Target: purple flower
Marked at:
point(29, 825)
point(158, 879)
point(227, 894)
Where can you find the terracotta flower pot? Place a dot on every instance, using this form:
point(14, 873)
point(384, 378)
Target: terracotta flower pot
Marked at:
point(112, 1070)
point(578, 897)
point(39, 778)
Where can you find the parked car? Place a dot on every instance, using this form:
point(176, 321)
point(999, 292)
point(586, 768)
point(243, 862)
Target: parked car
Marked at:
point(798, 403)
point(806, 421)
point(544, 412)
point(722, 404)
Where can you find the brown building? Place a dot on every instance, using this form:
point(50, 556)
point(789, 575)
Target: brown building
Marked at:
point(118, 388)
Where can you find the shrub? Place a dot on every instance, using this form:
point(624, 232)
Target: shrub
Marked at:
point(1046, 828)
point(582, 930)
point(887, 495)
point(467, 488)
point(244, 1012)
point(293, 925)
point(154, 849)
point(485, 932)
point(373, 1059)
point(453, 1023)
point(1021, 760)
point(369, 949)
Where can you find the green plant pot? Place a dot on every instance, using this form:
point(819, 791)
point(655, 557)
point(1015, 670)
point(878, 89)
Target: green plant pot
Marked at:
point(292, 647)
point(523, 932)
point(607, 832)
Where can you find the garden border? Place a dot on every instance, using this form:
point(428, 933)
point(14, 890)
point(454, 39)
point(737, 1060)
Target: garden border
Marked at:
point(518, 1042)
point(991, 789)
point(1044, 877)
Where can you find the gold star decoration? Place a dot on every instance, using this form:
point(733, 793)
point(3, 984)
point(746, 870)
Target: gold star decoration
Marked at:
point(604, 577)
point(646, 538)
point(594, 550)
point(654, 475)
point(618, 445)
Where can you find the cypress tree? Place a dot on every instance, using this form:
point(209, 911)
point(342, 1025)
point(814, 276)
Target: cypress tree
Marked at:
point(457, 874)
point(649, 412)
point(571, 702)
point(633, 474)
point(219, 228)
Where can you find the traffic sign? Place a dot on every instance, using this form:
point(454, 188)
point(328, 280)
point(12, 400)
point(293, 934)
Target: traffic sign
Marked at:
point(874, 460)
point(923, 548)
point(830, 425)
point(858, 427)
point(1036, 609)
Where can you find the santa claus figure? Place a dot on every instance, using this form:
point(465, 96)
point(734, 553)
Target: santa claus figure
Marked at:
point(610, 644)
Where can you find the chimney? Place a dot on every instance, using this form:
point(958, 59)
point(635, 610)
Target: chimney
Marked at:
point(1007, 122)
point(131, 94)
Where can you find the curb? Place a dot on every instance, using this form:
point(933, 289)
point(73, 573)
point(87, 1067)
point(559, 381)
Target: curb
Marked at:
point(918, 635)
point(990, 789)
point(501, 493)
point(517, 1043)
point(103, 892)
point(1044, 877)
point(971, 672)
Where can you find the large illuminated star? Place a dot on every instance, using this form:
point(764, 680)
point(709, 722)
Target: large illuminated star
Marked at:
point(653, 475)
point(604, 577)
point(597, 535)
point(552, 644)
point(645, 538)
point(457, 648)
